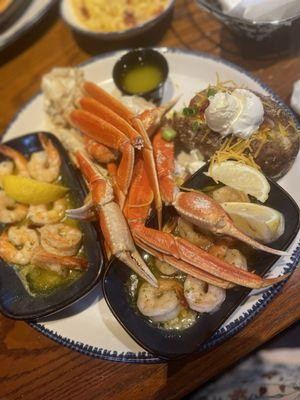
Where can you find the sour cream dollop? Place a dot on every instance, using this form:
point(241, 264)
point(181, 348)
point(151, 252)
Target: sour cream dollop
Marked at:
point(239, 113)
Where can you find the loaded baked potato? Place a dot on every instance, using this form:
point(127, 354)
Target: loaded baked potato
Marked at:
point(273, 147)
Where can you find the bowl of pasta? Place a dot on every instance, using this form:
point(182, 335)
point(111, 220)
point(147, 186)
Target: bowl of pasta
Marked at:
point(115, 20)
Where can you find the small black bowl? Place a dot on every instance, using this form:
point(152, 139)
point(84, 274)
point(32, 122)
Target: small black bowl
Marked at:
point(15, 300)
point(172, 344)
point(140, 57)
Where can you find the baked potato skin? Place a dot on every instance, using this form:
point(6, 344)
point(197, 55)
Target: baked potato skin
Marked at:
point(275, 157)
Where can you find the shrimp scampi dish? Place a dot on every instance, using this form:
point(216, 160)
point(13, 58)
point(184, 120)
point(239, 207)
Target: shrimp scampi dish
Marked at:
point(37, 239)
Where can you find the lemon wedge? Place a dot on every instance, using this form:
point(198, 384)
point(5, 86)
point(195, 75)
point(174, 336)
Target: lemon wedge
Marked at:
point(29, 191)
point(255, 220)
point(241, 177)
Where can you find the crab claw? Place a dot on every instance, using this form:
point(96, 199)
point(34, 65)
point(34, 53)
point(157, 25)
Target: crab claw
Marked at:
point(203, 211)
point(196, 207)
point(134, 261)
point(112, 221)
point(85, 212)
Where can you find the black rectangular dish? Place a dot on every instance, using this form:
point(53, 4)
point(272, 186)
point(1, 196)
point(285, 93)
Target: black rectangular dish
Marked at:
point(171, 344)
point(15, 301)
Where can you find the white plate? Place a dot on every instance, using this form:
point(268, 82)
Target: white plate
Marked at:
point(89, 326)
point(32, 15)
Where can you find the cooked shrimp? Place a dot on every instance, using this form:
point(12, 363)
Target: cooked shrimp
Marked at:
point(6, 168)
point(218, 250)
point(165, 268)
point(45, 165)
point(57, 263)
point(202, 297)
point(161, 304)
point(235, 257)
point(226, 193)
point(18, 244)
point(186, 231)
point(43, 214)
point(10, 210)
point(61, 239)
point(18, 158)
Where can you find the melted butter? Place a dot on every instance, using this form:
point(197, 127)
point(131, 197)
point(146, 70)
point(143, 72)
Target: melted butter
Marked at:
point(61, 281)
point(184, 320)
point(186, 316)
point(142, 79)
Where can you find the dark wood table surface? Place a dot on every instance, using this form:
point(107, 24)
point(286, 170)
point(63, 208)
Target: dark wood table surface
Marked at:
point(34, 367)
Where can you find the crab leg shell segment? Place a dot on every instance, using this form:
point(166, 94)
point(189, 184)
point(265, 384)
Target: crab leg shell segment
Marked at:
point(164, 158)
point(100, 110)
point(112, 221)
point(85, 212)
point(98, 129)
point(125, 170)
point(99, 94)
point(140, 195)
point(102, 131)
point(149, 164)
point(113, 173)
point(118, 236)
point(185, 251)
point(152, 118)
point(203, 211)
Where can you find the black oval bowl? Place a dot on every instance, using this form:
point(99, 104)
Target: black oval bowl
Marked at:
point(172, 344)
point(12, 12)
point(15, 301)
point(139, 57)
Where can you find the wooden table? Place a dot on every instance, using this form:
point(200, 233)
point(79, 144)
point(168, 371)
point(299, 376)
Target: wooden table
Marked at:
point(34, 367)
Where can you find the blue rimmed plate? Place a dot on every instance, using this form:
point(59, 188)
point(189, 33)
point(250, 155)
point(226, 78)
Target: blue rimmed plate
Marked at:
point(89, 326)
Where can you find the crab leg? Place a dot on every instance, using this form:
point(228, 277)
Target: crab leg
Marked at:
point(152, 118)
point(203, 211)
point(107, 134)
point(186, 268)
point(113, 224)
point(113, 173)
point(102, 111)
point(196, 207)
point(183, 250)
point(177, 250)
point(151, 170)
point(99, 94)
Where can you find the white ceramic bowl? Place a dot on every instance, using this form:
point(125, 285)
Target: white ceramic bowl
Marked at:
point(68, 15)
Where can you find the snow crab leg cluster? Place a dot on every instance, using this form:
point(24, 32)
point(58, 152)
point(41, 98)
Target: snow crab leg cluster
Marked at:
point(145, 172)
point(113, 127)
